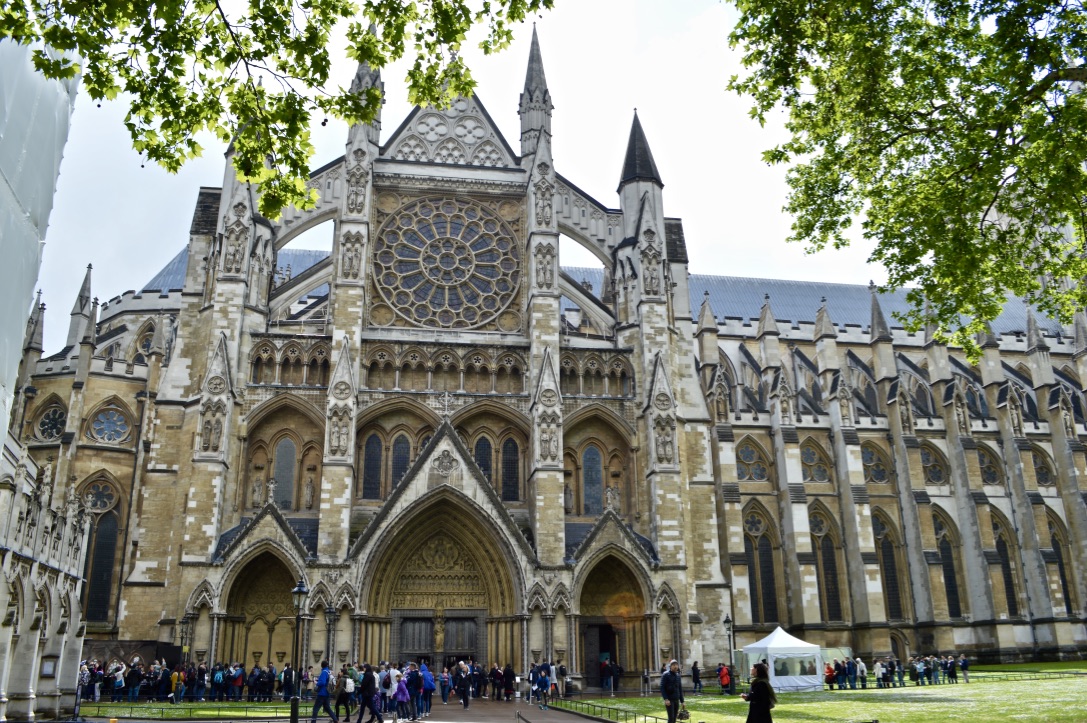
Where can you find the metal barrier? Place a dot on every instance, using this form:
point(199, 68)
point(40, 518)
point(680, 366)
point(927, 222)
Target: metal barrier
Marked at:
point(606, 712)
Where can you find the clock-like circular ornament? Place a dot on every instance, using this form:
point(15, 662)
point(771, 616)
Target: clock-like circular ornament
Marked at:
point(342, 390)
point(446, 263)
point(216, 384)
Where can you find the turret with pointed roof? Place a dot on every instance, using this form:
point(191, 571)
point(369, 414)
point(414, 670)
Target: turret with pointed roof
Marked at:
point(638, 164)
point(81, 312)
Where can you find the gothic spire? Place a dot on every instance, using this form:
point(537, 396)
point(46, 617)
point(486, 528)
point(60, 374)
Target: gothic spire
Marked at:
point(706, 320)
point(535, 104)
point(365, 76)
point(879, 330)
point(81, 312)
point(768, 326)
point(33, 341)
point(639, 165)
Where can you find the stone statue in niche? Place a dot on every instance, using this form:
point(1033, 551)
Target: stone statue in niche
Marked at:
point(1016, 415)
point(544, 201)
point(611, 498)
point(308, 493)
point(665, 446)
point(845, 397)
point(256, 495)
point(1069, 420)
point(216, 434)
point(549, 445)
point(721, 403)
point(904, 415)
point(334, 435)
point(271, 491)
point(652, 279)
point(568, 499)
point(545, 266)
point(961, 418)
point(205, 442)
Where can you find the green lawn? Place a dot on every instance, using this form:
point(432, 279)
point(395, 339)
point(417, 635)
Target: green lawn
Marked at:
point(189, 711)
point(1049, 701)
point(1067, 666)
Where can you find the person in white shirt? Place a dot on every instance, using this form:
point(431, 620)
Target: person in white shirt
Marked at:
point(862, 673)
point(877, 671)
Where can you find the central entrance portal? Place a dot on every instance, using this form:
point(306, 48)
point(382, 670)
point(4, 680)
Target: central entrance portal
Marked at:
point(440, 591)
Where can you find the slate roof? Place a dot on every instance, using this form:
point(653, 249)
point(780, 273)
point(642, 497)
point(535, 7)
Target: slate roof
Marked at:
point(576, 532)
point(735, 297)
point(304, 527)
point(794, 302)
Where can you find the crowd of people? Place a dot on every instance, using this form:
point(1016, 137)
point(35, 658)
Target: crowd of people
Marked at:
point(890, 672)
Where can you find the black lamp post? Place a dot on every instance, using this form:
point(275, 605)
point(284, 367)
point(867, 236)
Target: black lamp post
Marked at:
point(731, 670)
point(298, 597)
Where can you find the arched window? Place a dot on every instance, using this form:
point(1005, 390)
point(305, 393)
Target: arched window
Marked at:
point(946, 546)
point(592, 481)
point(371, 468)
point(888, 568)
point(759, 552)
point(286, 463)
point(101, 499)
point(110, 426)
point(1003, 552)
point(876, 468)
point(485, 458)
point(1061, 553)
point(751, 464)
point(401, 458)
point(826, 565)
point(51, 423)
point(814, 463)
point(511, 471)
point(1043, 469)
point(990, 468)
point(934, 467)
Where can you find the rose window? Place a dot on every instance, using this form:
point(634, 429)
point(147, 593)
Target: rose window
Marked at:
point(449, 264)
point(99, 497)
point(51, 424)
point(109, 426)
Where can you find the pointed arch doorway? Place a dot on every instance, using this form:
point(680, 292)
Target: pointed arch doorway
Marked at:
point(442, 590)
point(614, 625)
point(259, 624)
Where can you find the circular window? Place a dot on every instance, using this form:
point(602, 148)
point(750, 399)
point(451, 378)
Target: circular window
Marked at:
point(109, 426)
point(99, 497)
point(51, 424)
point(446, 263)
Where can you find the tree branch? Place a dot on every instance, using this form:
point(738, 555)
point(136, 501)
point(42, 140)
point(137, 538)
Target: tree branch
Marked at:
point(1061, 75)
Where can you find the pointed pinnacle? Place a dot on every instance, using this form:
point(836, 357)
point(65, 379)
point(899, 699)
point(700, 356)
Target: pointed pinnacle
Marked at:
point(986, 339)
point(638, 164)
point(824, 327)
point(706, 320)
point(879, 329)
point(1035, 340)
point(534, 75)
point(768, 326)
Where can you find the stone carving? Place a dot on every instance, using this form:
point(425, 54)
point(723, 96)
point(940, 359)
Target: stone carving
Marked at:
point(216, 434)
point(544, 203)
point(351, 255)
point(236, 236)
point(271, 499)
point(257, 494)
point(1067, 418)
point(1015, 412)
point(845, 406)
point(785, 400)
point(611, 498)
point(665, 441)
point(341, 390)
point(905, 414)
point(549, 397)
point(568, 499)
point(487, 155)
point(356, 183)
point(445, 463)
point(216, 385)
point(549, 443)
point(721, 402)
point(662, 401)
point(307, 495)
point(339, 433)
point(439, 634)
point(545, 266)
point(962, 419)
point(543, 169)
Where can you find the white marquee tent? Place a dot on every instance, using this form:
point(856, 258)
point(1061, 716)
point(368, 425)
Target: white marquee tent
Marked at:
point(794, 664)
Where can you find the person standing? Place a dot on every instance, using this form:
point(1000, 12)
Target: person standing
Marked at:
point(509, 679)
point(724, 677)
point(463, 683)
point(862, 673)
point(672, 690)
point(964, 666)
point(287, 682)
point(851, 673)
point(543, 682)
point(696, 678)
point(761, 698)
point(445, 684)
point(321, 693)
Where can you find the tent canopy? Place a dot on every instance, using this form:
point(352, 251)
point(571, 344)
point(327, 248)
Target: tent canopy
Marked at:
point(795, 665)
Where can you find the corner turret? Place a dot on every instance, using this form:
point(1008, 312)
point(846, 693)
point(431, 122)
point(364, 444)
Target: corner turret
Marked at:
point(535, 106)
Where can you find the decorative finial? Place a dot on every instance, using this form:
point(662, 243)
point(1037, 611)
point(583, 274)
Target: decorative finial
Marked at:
point(706, 294)
point(823, 300)
point(766, 297)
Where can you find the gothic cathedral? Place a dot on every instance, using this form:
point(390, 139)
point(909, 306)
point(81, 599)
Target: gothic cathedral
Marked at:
point(466, 449)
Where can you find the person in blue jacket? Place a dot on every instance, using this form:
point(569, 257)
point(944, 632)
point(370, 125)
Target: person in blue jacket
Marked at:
point(321, 694)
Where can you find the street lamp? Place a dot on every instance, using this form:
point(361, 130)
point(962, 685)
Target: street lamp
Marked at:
point(731, 670)
point(298, 597)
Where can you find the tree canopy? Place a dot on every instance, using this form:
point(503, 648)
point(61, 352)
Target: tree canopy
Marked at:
point(954, 129)
point(253, 72)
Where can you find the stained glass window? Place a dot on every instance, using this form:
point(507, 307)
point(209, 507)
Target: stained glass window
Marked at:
point(592, 471)
point(99, 573)
point(99, 497)
point(949, 565)
point(485, 458)
point(401, 458)
point(760, 570)
point(1057, 542)
point(813, 463)
point(1043, 470)
point(511, 471)
point(933, 466)
point(110, 426)
point(285, 468)
point(446, 263)
point(751, 464)
point(371, 468)
point(990, 470)
point(1006, 571)
point(876, 469)
point(888, 568)
point(51, 423)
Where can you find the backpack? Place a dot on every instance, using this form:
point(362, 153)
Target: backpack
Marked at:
point(387, 682)
point(218, 677)
point(348, 684)
point(562, 671)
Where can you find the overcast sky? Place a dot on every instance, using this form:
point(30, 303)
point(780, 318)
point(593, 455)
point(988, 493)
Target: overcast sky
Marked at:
point(603, 58)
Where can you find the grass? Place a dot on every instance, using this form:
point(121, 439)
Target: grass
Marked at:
point(1067, 666)
point(190, 711)
point(1038, 701)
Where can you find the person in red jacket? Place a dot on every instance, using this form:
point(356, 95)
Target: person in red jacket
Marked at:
point(724, 677)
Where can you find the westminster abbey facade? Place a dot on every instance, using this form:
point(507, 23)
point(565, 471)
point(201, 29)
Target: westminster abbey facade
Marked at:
point(466, 449)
